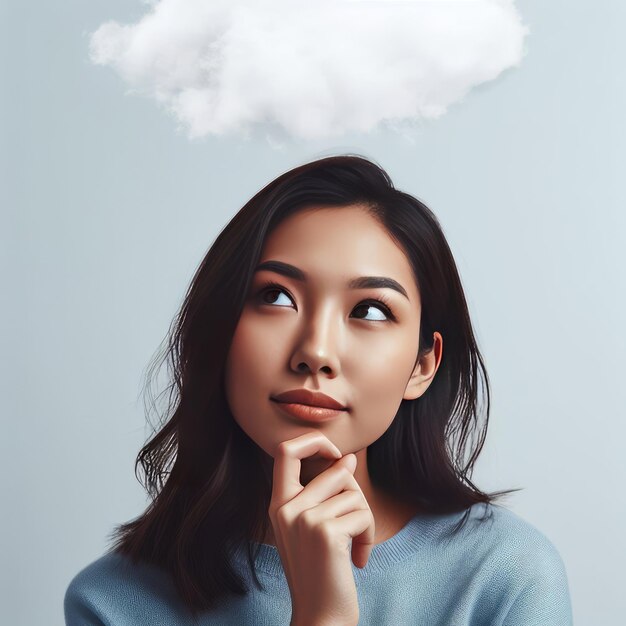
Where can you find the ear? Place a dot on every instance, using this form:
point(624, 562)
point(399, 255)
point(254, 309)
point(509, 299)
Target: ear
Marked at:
point(425, 370)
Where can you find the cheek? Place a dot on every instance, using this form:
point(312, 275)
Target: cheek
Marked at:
point(378, 392)
point(380, 377)
point(381, 388)
point(247, 366)
point(250, 376)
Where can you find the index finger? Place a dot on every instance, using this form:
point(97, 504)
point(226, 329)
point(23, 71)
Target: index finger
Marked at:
point(287, 463)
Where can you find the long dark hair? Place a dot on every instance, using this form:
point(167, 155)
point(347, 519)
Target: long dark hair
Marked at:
point(209, 489)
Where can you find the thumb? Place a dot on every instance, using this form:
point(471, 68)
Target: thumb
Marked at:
point(360, 553)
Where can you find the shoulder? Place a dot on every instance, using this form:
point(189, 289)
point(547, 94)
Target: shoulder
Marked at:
point(496, 548)
point(526, 549)
point(112, 589)
point(521, 567)
point(501, 537)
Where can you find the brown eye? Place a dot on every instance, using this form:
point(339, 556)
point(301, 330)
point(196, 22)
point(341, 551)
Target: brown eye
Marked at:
point(270, 291)
point(271, 288)
point(381, 308)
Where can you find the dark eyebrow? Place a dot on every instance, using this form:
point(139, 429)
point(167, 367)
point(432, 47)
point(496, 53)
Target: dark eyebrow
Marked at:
point(362, 282)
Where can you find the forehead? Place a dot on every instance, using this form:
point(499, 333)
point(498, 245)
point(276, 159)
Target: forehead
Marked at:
point(335, 244)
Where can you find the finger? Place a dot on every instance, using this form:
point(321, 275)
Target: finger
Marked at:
point(287, 463)
point(325, 487)
point(358, 525)
point(363, 543)
point(332, 481)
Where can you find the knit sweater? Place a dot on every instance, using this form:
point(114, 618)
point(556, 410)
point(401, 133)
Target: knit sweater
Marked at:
point(498, 572)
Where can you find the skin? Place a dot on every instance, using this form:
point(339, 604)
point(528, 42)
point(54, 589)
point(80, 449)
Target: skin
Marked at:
point(318, 334)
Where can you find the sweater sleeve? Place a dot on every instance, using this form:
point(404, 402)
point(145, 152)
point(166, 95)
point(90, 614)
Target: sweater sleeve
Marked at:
point(545, 599)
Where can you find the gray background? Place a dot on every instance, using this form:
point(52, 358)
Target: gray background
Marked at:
point(107, 210)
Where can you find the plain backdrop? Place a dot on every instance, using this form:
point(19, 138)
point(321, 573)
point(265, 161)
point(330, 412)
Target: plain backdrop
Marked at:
point(106, 211)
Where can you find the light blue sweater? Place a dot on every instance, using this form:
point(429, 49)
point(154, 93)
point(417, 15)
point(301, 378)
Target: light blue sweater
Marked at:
point(499, 572)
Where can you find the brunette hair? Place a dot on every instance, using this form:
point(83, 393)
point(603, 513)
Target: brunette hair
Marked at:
point(209, 490)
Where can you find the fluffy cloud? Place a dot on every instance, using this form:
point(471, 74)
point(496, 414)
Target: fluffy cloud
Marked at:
point(310, 68)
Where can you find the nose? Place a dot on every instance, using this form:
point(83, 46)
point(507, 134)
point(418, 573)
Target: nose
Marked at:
point(317, 347)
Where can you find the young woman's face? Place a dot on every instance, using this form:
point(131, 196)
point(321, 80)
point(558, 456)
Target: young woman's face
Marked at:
point(322, 335)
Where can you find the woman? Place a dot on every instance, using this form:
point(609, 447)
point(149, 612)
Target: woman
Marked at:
point(324, 390)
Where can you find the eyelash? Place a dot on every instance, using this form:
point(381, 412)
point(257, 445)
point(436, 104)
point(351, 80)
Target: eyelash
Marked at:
point(270, 285)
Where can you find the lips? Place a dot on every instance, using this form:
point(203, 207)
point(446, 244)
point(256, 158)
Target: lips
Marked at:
point(309, 398)
point(304, 413)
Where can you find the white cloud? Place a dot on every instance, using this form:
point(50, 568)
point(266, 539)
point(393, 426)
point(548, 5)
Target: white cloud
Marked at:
point(313, 68)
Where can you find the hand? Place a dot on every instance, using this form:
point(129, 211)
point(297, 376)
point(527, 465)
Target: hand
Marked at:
point(313, 527)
